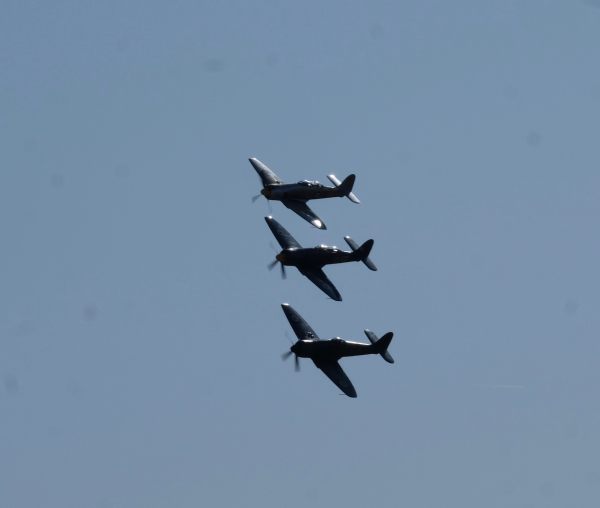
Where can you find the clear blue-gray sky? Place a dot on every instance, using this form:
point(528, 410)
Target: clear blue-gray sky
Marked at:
point(141, 333)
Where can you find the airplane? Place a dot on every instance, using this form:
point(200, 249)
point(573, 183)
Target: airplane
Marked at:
point(295, 195)
point(326, 353)
point(311, 260)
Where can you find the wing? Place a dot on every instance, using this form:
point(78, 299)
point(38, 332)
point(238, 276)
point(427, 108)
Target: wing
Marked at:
point(266, 175)
point(319, 279)
point(301, 328)
point(281, 234)
point(334, 372)
point(302, 209)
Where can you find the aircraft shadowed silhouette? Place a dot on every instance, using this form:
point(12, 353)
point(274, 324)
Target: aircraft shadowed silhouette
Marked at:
point(326, 353)
point(310, 260)
point(295, 195)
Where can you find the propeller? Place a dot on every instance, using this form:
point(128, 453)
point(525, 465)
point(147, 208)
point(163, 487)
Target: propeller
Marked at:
point(272, 264)
point(287, 354)
point(255, 198)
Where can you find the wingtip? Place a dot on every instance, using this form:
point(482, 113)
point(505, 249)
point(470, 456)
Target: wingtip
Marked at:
point(319, 224)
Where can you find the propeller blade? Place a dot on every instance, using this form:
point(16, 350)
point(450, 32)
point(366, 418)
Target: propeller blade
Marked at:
point(254, 198)
point(296, 363)
point(272, 264)
point(283, 274)
point(286, 355)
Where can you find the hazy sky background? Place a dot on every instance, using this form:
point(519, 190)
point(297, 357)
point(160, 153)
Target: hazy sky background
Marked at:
point(141, 333)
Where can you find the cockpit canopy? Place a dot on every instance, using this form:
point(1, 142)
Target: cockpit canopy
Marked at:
point(308, 183)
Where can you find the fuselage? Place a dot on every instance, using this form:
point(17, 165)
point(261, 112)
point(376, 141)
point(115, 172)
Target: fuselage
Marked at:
point(315, 256)
point(303, 190)
point(331, 349)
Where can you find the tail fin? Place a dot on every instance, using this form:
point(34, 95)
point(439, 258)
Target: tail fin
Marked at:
point(345, 187)
point(362, 252)
point(381, 345)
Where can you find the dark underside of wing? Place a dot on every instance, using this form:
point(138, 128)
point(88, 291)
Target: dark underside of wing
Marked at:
point(301, 328)
point(267, 176)
point(334, 372)
point(302, 209)
point(282, 235)
point(319, 279)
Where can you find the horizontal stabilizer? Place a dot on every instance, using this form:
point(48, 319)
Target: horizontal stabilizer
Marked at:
point(386, 342)
point(354, 246)
point(350, 195)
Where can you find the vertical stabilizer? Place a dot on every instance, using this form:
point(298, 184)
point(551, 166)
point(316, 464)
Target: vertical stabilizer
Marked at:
point(355, 248)
point(383, 343)
point(346, 185)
